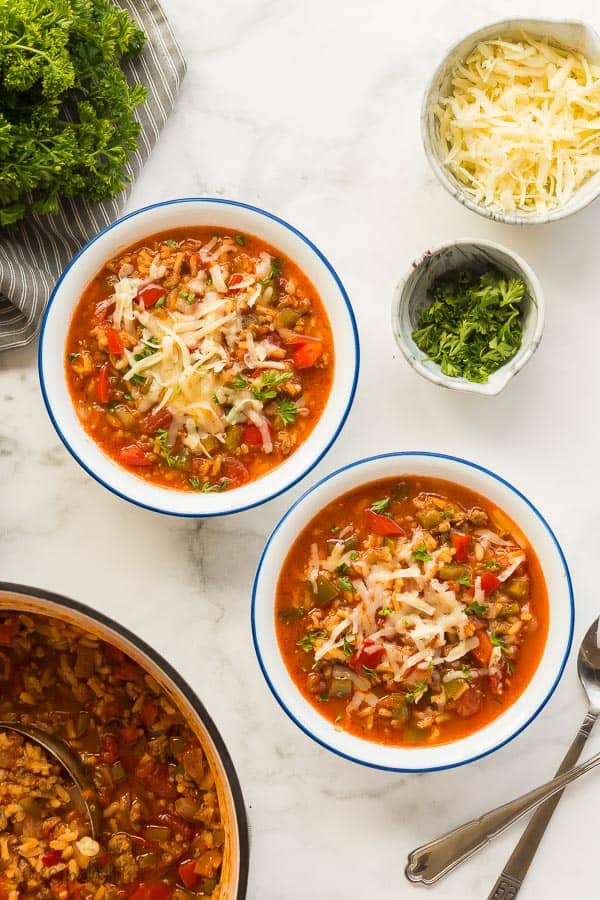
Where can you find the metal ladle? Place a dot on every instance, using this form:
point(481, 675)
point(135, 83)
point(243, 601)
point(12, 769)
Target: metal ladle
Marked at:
point(85, 798)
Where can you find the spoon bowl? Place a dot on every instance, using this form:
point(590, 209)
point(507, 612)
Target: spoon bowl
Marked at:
point(85, 795)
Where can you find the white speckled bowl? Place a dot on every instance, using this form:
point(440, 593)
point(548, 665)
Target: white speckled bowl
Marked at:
point(411, 296)
point(573, 35)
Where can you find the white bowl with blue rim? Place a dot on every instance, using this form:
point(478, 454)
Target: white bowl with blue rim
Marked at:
point(515, 717)
point(571, 34)
point(412, 295)
point(133, 228)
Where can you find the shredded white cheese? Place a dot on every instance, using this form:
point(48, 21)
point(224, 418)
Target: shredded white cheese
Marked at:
point(521, 124)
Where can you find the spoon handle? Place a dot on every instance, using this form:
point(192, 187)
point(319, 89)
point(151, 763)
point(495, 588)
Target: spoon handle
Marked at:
point(432, 861)
point(509, 883)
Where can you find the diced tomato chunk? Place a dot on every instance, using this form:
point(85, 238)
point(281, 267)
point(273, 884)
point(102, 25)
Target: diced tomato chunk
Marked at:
point(129, 734)
point(150, 712)
point(151, 294)
point(235, 471)
point(252, 435)
point(307, 354)
point(103, 388)
point(154, 421)
point(135, 456)
point(51, 858)
point(187, 873)
point(461, 544)
point(109, 749)
point(470, 703)
point(489, 582)
point(115, 345)
point(369, 655)
point(383, 525)
point(7, 634)
point(156, 890)
point(483, 652)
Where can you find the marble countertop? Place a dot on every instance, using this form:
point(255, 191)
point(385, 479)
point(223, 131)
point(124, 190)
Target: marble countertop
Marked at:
point(310, 108)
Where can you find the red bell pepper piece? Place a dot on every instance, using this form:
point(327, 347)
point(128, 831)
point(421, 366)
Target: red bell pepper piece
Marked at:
point(235, 282)
point(383, 525)
point(188, 874)
point(307, 354)
point(151, 294)
point(483, 652)
point(235, 471)
point(369, 655)
point(115, 344)
point(461, 544)
point(135, 456)
point(103, 388)
point(489, 582)
point(51, 858)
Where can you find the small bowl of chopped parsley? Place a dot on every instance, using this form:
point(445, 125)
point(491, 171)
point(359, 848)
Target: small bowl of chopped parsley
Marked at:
point(469, 315)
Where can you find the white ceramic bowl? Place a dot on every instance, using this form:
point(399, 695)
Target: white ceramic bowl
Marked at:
point(176, 214)
point(411, 296)
point(573, 35)
point(517, 716)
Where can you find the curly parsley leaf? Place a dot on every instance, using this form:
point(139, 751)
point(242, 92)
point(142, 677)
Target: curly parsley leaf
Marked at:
point(67, 125)
point(287, 411)
point(421, 553)
point(379, 506)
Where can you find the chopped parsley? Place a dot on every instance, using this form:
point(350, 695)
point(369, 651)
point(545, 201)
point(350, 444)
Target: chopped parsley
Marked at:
point(370, 672)
point(347, 647)
point(497, 641)
point(74, 356)
point(464, 579)
point(419, 688)
point(269, 383)
point(380, 505)
point(510, 666)
point(345, 584)
point(137, 379)
point(342, 569)
point(354, 555)
point(476, 609)
point(160, 443)
point(289, 614)
point(240, 239)
point(466, 670)
point(474, 323)
point(172, 244)
point(160, 302)
point(492, 564)
point(307, 641)
point(127, 396)
point(205, 487)
point(287, 411)
point(385, 611)
point(238, 383)
point(421, 553)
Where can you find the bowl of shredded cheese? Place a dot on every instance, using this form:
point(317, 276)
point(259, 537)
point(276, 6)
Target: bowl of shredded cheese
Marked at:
point(511, 120)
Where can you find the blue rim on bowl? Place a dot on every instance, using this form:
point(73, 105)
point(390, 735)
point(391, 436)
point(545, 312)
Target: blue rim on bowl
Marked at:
point(267, 603)
point(312, 458)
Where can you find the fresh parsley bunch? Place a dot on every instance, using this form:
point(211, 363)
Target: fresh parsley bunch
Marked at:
point(66, 110)
point(474, 324)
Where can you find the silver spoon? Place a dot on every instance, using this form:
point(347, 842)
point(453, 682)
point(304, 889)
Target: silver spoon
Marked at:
point(85, 796)
point(429, 863)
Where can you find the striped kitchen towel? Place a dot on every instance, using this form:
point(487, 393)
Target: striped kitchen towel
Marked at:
point(33, 253)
